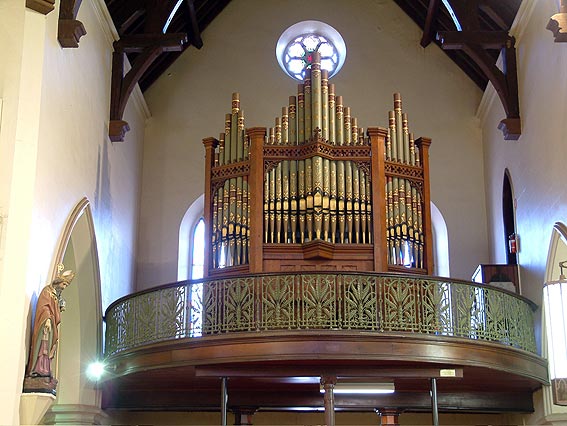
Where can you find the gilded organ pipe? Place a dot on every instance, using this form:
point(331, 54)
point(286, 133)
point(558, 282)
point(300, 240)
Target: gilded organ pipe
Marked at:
point(319, 178)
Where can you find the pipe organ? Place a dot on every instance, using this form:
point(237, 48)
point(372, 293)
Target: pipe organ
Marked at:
point(316, 191)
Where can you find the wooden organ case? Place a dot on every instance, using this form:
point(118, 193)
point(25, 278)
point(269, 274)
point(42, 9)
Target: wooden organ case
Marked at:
point(316, 192)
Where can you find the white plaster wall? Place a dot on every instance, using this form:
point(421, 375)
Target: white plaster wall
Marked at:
point(76, 158)
point(189, 101)
point(538, 159)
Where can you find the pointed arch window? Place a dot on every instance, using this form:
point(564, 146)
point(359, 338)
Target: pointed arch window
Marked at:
point(198, 250)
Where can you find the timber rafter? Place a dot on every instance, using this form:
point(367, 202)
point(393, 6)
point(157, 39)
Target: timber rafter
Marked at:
point(148, 47)
point(475, 43)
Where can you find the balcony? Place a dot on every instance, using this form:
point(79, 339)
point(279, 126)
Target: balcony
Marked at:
point(274, 335)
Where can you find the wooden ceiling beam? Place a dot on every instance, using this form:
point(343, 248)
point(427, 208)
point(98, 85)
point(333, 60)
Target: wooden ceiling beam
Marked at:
point(193, 25)
point(475, 44)
point(457, 40)
point(123, 13)
point(495, 17)
point(127, 24)
point(149, 46)
point(140, 42)
point(341, 372)
point(430, 21)
point(157, 14)
point(505, 81)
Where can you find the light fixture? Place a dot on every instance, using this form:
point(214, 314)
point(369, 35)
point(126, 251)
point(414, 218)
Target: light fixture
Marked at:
point(562, 266)
point(95, 370)
point(558, 23)
point(361, 388)
point(555, 299)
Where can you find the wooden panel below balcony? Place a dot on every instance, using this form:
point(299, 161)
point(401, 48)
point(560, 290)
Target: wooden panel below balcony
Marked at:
point(282, 370)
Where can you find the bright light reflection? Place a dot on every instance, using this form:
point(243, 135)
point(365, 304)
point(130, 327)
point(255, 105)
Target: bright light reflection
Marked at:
point(198, 251)
point(453, 15)
point(326, 49)
point(362, 388)
point(95, 370)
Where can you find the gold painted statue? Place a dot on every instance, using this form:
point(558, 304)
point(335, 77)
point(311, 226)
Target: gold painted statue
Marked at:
point(45, 327)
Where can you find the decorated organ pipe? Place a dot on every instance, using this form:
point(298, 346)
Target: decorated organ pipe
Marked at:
point(318, 178)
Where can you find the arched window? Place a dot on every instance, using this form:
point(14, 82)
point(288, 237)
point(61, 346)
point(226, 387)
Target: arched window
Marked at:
point(198, 250)
point(296, 45)
point(508, 220)
point(187, 228)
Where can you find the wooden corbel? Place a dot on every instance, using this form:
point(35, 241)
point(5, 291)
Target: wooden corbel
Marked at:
point(148, 47)
point(558, 23)
point(474, 43)
point(41, 6)
point(69, 30)
point(429, 26)
point(505, 82)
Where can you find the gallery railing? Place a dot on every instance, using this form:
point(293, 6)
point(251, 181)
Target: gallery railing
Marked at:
point(378, 303)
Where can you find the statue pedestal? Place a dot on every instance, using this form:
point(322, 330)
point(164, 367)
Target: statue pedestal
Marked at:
point(47, 385)
point(33, 406)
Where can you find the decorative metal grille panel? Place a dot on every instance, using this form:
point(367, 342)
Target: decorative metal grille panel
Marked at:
point(319, 301)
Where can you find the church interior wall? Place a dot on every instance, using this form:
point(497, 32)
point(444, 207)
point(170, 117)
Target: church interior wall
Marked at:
point(76, 157)
point(72, 157)
point(55, 152)
point(189, 100)
point(536, 161)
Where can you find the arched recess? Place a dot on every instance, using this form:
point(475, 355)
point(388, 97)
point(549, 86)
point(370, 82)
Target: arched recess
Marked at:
point(80, 342)
point(554, 332)
point(188, 223)
point(440, 243)
point(508, 217)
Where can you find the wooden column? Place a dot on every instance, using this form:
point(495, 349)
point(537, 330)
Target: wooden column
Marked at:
point(378, 179)
point(389, 416)
point(423, 145)
point(243, 415)
point(256, 136)
point(434, 411)
point(328, 384)
point(224, 401)
point(210, 145)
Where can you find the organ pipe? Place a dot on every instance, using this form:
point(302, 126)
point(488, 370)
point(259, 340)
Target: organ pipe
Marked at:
point(319, 181)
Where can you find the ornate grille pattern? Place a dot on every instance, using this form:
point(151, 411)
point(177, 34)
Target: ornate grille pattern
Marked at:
point(319, 301)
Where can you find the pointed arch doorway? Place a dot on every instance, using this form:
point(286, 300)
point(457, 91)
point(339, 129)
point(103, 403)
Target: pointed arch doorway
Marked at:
point(80, 343)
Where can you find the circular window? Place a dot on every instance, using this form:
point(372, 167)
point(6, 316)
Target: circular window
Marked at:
point(296, 45)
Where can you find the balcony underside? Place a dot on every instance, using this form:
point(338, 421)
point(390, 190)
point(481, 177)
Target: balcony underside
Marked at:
point(281, 370)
